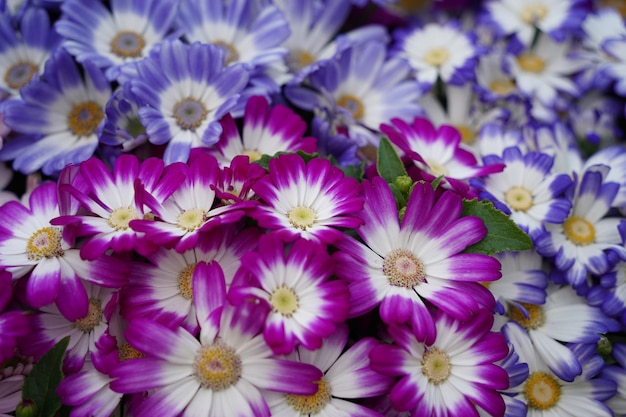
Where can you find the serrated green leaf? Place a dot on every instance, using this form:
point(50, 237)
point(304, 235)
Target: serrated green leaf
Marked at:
point(388, 163)
point(502, 232)
point(264, 160)
point(354, 171)
point(40, 386)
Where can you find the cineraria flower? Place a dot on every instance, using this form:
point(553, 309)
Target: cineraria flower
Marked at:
point(492, 81)
point(122, 126)
point(494, 138)
point(403, 264)
point(616, 49)
point(610, 292)
point(219, 375)
point(436, 50)
point(183, 90)
point(235, 182)
point(524, 17)
point(450, 375)
point(116, 37)
point(11, 382)
point(579, 244)
point(22, 56)
point(546, 394)
point(305, 305)
point(58, 117)
point(306, 199)
point(347, 375)
point(265, 132)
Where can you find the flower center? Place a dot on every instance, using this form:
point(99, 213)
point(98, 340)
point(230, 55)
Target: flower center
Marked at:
point(252, 154)
point(618, 5)
point(185, 281)
point(284, 300)
point(531, 63)
point(84, 118)
point(536, 318)
point(579, 230)
point(189, 113)
point(231, 52)
point(120, 217)
point(127, 44)
point(352, 104)
point(191, 219)
point(542, 390)
point(19, 74)
point(436, 168)
point(437, 56)
point(468, 136)
point(217, 366)
point(298, 59)
point(302, 217)
point(126, 352)
point(93, 317)
point(44, 243)
point(403, 269)
point(519, 198)
point(436, 365)
point(311, 404)
point(533, 13)
point(502, 86)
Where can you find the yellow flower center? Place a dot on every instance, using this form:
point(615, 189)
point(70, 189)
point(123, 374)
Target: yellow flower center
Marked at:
point(531, 63)
point(298, 59)
point(44, 243)
point(231, 52)
point(536, 318)
point(311, 404)
point(284, 300)
point(579, 230)
point(533, 13)
point(185, 281)
point(120, 217)
point(502, 86)
point(353, 104)
point(127, 44)
point(436, 168)
point(618, 5)
point(126, 352)
point(217, 367)
point(437, 56)
point(302, 217)
point(252, 154)
point(436, 365)
point(93, 317)
point(542, 391)
point(403, 269)
point(468, 135)
point(519, 198)
point(84, 118)
point(189, 113)
point(19, 74)
point(191, 219)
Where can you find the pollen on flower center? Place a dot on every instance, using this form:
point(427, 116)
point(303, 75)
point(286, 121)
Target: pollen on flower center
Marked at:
point(519, 198)
point(542, 391)
point(217, 367)
point(531, 63)
point(185, 281)
point(437, 56)
point(92, 318)
point(252, 154)
point(285, 301)
point(84, 118)
point(502, 86)
point(436, 365)
point(231, 52)
point(353, 104)
point(436, 168)
point(127, 352)
point(468, 136)
point(191, 219)
point(190, 113)
point(121, 216)
point(19, 74)
point(533, 13)
point(298, 59)
point(579, 230)
point(403, 269)
point(128, 44)
point(311, 404)
point(44, 243)
point(535, 319)
point(302, 217)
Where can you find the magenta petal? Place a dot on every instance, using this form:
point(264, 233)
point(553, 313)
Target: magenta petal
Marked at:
point(209, 289)
point(44, 282)
point(72, 300)
point(6, 288)
point(405, 394)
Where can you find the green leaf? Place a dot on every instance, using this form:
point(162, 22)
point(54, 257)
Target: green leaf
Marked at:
point(388, 163)
point(264, 160)
point(39, 391)
point(502, 232)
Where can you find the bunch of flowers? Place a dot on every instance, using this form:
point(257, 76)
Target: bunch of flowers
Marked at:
point(312, 208)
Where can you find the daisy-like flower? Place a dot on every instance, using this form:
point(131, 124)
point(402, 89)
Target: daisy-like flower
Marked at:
point(450, 375)
point(402, 264)
point(235, 181)
point(347, 375)
point(546, 394)
point(40, 251)
point(222, 373)
point(116, 37)
point(57, 118)
point(183, 91)
point(565, 317)
point(306, 199)
point(22, 57)
point(524, 17)
point(122, 127)
point(436, 50)
point(306, 305)
point(579, 243)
